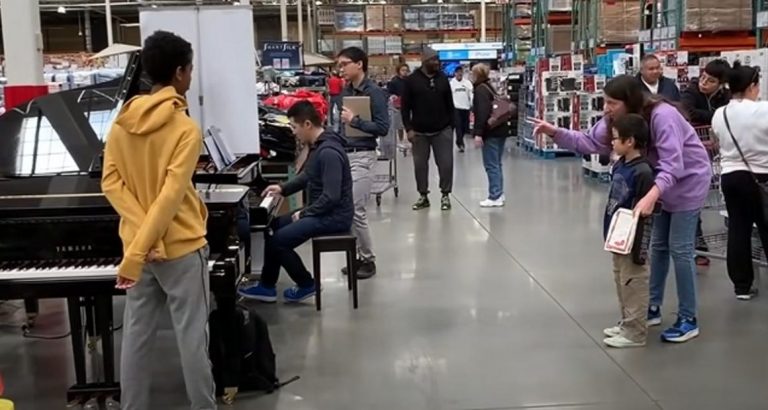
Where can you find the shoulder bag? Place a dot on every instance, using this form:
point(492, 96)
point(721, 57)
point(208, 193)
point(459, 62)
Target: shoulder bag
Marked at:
point(502, 109)
point(761, 186)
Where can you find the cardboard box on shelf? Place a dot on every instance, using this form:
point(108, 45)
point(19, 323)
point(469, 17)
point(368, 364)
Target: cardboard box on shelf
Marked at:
point(559, 39)
point(711, 15)
point(393, 18)
point(374, 18)
point(618, 21)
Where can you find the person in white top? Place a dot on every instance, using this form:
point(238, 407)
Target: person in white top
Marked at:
point(741, 125)
point(462, 103)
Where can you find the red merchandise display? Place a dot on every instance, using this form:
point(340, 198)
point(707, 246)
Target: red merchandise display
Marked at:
point(285, 101)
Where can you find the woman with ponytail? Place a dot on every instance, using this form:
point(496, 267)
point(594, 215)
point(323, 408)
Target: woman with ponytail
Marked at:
point(682, 181)
point(742, 130)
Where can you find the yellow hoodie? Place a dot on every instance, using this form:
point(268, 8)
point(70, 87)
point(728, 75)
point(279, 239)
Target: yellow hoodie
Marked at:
point(150, 155)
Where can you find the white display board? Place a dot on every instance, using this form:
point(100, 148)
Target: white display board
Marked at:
point(223, 90)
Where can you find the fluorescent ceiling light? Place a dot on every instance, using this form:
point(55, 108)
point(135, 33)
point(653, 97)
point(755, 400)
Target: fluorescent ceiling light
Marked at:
point(61, 10)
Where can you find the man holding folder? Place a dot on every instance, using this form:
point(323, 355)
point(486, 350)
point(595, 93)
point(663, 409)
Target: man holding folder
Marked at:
point(362, 125)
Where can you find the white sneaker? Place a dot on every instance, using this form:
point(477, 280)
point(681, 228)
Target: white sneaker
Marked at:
point(612, 331)
point(620, 342)
point(489, 203)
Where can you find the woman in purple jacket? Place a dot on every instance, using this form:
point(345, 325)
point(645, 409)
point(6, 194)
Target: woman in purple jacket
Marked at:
point(683, 176)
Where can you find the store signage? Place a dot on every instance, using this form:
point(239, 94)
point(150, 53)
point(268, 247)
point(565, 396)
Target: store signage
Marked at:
point(466, 46)
point(483, 54)
point(453, 55)
point(282, 55)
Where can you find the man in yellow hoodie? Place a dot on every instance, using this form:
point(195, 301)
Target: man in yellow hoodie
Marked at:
point(149, 158)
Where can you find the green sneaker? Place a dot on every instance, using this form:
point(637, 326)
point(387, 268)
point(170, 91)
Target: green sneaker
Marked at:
point(445, 203)
point(422, 203)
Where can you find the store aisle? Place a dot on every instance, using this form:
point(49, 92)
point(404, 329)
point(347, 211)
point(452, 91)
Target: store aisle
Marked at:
point(472, 309)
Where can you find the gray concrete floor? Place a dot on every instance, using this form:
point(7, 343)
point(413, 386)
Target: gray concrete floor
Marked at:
point(471, 309)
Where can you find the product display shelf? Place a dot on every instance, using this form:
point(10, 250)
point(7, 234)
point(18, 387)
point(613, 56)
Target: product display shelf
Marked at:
point(761, 23)
point(551, 31)
point(698, 26)
point(517, 30)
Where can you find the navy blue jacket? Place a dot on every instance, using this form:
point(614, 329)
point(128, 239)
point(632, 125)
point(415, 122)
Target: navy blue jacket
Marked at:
point(328, 180)
point(379, 124)
point(631, 181)
point(667, 88)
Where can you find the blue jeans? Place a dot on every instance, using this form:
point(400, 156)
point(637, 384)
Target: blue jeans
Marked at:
point(493, 150)
point(674, 235)
point(281, 240)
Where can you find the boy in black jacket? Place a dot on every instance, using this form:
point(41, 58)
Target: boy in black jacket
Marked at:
point(328, 181)
point(632, 179)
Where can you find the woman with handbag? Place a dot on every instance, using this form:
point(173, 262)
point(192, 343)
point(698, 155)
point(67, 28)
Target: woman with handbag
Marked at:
point(743, 133)
point(491, 139)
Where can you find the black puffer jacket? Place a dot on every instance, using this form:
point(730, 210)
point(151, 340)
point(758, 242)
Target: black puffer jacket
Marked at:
point(700, 107)
point(482, 107)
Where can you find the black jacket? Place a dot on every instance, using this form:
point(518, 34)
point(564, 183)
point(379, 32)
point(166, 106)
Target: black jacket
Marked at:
point(667, 88)
point(379, 124)
point(328, 180)
point(396, 86)
point(700, 107)
point(482, 107)
point(427, 103)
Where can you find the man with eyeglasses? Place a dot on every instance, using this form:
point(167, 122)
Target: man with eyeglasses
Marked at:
point(353, 64)
point(702, 97)
point(428, 116)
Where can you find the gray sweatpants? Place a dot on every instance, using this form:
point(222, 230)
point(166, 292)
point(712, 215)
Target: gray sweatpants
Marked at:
point(183, 286)
point(363, 166)
point(441, 144)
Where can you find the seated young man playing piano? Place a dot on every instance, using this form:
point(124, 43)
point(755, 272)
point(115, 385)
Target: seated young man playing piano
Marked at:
point(327, 178)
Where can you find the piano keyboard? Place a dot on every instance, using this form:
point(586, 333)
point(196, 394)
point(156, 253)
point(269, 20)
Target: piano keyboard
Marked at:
point(267, 202)
point(95, 271)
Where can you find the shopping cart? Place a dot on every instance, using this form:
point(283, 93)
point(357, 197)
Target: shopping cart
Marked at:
point(385, 176)
point(717, 243)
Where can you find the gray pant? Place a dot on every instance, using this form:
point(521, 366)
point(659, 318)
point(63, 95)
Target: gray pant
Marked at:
point(183, 286)
point(363, 166)
point(441, 144)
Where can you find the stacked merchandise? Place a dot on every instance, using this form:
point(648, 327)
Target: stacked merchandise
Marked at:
point(456, 18)
point(350, 21)
point(757, 58)
point(559, 80)
point(374, 18)
point(675, 66)
point(411, 19)
point(717, 15)
point(326, 16)
point(526, 108)
point(515, 89)
point(393, 45)
point(429, 18)
point(393, 18)
point(523, 33)
point(591, 103)
point(618, 22)
point(377, 45)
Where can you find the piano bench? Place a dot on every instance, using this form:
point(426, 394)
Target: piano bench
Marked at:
point(335, 243)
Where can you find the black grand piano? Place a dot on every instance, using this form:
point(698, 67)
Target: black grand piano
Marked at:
point(59, 235)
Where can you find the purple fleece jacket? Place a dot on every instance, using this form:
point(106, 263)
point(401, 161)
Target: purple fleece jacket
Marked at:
point(683, 170)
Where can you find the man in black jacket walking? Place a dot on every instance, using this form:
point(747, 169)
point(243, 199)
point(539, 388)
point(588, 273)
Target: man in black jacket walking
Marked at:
point(328, 181)
point(428, 116)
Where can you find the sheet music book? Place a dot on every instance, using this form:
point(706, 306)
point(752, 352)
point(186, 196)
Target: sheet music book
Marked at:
point(621, 232)
point(361, 106)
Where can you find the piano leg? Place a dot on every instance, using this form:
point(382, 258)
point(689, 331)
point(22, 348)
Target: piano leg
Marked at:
point(32, 307)
point(78, 343)
point(105, 328)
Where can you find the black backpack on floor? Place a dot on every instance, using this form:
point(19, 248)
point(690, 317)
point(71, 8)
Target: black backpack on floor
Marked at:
point(242, 360)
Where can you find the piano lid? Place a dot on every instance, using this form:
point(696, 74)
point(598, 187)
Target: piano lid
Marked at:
point(81, 195)
point(62, 132)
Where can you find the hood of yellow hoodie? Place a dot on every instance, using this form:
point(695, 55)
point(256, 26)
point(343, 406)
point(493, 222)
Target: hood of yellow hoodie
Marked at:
point(142, 115)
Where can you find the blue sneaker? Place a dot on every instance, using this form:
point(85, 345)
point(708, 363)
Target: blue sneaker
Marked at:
point(654, 316)
point(259, 292)
point(683, 330)
point(297, 294)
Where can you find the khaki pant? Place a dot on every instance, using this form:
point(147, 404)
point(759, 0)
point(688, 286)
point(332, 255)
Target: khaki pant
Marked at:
point(632, 289)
